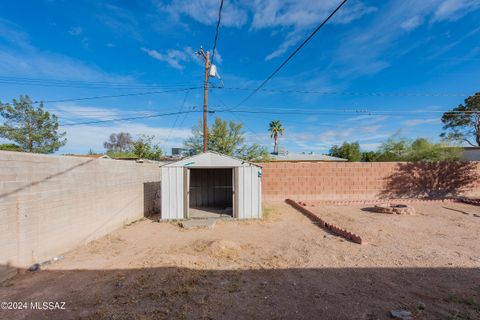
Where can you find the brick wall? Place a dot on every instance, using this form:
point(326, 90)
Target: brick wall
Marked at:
point(51, 204)
point(366, 181)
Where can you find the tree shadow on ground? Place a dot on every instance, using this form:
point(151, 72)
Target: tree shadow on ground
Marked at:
point(434, 180)
point(296, 293)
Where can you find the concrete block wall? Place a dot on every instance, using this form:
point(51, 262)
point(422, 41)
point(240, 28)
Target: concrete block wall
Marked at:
point(51, 204)
point(368, 181)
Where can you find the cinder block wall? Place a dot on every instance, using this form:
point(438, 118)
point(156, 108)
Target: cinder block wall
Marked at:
point(367, 181)
point(51, 204)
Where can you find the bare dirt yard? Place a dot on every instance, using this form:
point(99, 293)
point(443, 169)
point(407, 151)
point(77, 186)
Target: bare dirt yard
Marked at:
point(284, 267)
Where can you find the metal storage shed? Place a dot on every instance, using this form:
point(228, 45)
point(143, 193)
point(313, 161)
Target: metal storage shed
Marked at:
point(211, 184)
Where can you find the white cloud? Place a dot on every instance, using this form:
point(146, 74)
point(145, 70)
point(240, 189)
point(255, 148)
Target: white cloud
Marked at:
point(363, 51)
point(206, 11)
point(72, 112)
point(218, 57)
point(120, 21)
point(370, 146)
point(12, 34)
point(291, 39)
point(300, 16)
point(20, 58)
point(455, 9)
point(82, 138)
point(295, 16)
point(322, 140)
point(416, 122)
point(75, 31)
point(85, 137)
point(175, 58)
point(411, 23)
point(303, 14)
point(367, 118)
point(313, 118)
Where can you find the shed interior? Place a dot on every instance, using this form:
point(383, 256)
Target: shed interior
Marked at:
point(210, 193)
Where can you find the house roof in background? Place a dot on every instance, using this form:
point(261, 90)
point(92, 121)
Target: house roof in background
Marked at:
point(94, 156)
point(470, 154)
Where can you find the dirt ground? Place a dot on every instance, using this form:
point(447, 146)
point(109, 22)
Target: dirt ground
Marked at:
point(284, 267)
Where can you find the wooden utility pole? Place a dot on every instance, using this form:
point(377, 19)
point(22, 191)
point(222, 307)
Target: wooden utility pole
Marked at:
point(205, 100)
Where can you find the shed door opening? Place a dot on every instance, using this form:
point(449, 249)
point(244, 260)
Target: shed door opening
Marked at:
point(211, 193)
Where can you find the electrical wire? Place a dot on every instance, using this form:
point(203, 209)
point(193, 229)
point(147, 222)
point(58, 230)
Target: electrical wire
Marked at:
point(81, 86)
point(296, 111)
point(216, 31)
point(116, 95)
point(291, 120)
point(124, 119)
point(176, 118)
point(82, 83)
point(291, 55)
point(233, 114)
point(293, 112)
point(349, 93)
point(185, 116)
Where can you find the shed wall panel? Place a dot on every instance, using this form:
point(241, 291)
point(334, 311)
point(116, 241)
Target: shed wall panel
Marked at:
point(172, 193)
point(180, 193)
point(247, 197)
point(239, 191)
point(249, 185)
point(255, 192)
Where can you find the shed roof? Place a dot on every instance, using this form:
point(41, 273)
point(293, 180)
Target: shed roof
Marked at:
point(211, 159)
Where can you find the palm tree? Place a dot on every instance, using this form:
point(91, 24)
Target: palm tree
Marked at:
point(275, 129)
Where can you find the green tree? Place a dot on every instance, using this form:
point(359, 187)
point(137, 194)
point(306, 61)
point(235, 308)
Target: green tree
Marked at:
point(397, 148)
point(32, 128)
point(422, 149)
point(369, 156)
point(225, 137)
point(144, 148)
point(463, 122)
point(349, 151)
point(254, 153)
point(275, 129)
point(11, 147)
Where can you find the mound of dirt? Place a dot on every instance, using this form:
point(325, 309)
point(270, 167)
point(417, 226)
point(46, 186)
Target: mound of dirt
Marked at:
point(218, 247)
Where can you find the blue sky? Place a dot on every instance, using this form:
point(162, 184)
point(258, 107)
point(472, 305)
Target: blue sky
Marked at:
point(96, 48)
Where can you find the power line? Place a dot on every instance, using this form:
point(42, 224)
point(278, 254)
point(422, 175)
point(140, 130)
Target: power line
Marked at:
point(290, 121)
point(296, 111)
point(291, 55)
point(68, 82)
point(176, 118)
point(186, 115)
point(233, 114)
point(81, 86)
point(350, 93)
point(216, 31)
point(116, 95)
point(125, 119)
